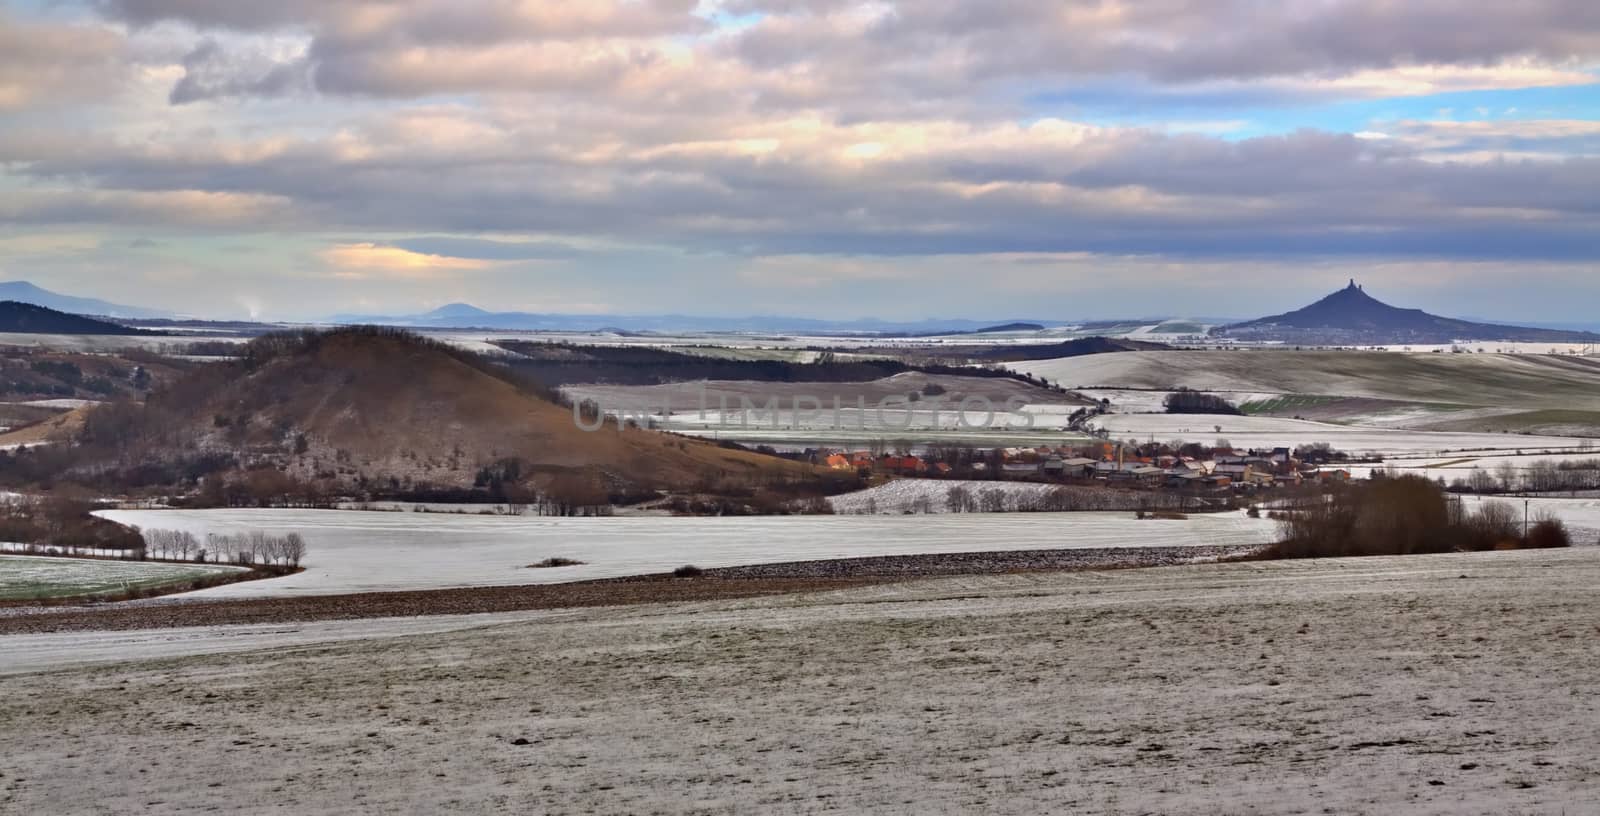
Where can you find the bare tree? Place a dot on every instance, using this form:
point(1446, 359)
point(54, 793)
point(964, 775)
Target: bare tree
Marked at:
point(294, 549)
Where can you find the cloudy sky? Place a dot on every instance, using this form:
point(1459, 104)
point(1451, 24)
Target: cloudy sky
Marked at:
point(900, 159)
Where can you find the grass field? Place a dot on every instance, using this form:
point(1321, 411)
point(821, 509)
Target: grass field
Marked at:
point(30, 578)
point(1284, 404)
point(1550, 422)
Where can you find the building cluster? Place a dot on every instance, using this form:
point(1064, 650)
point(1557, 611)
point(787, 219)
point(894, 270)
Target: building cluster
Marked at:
point(1220, 470)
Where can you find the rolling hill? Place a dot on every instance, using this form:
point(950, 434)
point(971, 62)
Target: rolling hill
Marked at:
point(1520, 381)
point(379, 411)
point(26, 292)
point(1351, 316)
point(27, 318)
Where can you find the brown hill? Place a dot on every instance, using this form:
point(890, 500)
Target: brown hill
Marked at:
point(390, 413)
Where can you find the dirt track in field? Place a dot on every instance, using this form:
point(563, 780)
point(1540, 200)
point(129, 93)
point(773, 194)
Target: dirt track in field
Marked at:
point(729, 583)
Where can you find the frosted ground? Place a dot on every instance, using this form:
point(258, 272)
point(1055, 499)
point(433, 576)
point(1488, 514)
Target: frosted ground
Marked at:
point(1425, 685)
point(370, 552)
point(30, 577)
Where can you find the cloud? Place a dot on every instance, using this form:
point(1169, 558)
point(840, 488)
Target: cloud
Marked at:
point(369, 260)
point(808, 186)
point(487, 249)
point(51, 64)
point(816, 141)
point(202, 209)
point(210, 72)
point(850, 57)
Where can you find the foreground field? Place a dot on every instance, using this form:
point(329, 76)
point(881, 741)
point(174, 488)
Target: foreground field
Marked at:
point(373, 552)
point(29, 578)
point(1425, 685)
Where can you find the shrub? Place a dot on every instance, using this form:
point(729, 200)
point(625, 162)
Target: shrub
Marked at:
point(551, 563)
point(1401, 515)
point(1185, 401)
point(688, 571)
point(1549, 533)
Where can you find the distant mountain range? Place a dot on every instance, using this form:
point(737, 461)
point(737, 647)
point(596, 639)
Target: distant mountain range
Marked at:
point(27, 318)
point(1350, 316)
point(467, 316)
point(25, 292)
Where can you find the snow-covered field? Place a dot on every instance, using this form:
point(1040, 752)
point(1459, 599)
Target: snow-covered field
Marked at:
point(96, 343)
point(1452, 466)
point(1270, 432)
point(30, 577)
point(62, 404)
point(1521, 381)
point(1153, 400)
point(368, 552)
point(1417, 686)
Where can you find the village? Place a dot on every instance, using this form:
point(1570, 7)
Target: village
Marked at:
point(1190, 468)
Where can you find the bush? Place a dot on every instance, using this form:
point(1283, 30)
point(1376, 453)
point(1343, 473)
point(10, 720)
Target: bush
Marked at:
point(688, 571)
point(551, 563)
point(1549, 533)
point(1404, 515)
point(1184, 401)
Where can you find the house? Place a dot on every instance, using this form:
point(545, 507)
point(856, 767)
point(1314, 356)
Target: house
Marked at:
point(1185, 479)
point(1147, 474)
point(1236, 472)
point(1131, 472)
point(839, 461)
point(902, 464)
point(1077, 467)
point(1186, 466)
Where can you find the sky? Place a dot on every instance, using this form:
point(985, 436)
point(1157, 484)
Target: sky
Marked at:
point(899, 159)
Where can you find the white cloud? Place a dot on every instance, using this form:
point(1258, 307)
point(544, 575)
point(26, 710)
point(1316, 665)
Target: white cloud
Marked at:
point(370, 260)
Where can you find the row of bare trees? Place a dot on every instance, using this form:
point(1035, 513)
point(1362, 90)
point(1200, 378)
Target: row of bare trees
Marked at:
point(1064, 499)
point(1544, 476)
point(247, 549)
